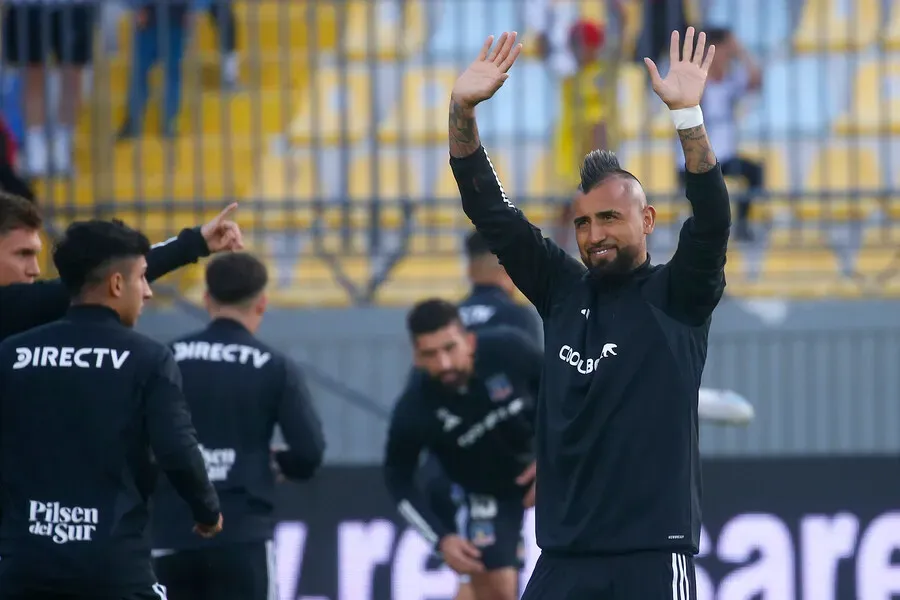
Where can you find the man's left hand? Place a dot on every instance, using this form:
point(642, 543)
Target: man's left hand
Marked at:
point(223, 234)
point(684, 83)
point(528, 476)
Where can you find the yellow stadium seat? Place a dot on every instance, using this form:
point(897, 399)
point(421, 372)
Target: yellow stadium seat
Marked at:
point(850, 175)
point(655, 168)
point(543, 182)
point(418, 277)
point(336, 107)
point(419, 115)
point(788, 238)
point(873, 111)
point(398, 26)
point(876, 236)
point(801, 271)
point(876, 262)
point(315, 282)
point(892, 30)
point(445, 184)
point(398, 184)
point(437, 242)
point(283, 194)
point(825, 27)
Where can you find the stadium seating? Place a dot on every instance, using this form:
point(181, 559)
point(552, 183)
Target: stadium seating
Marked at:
point(342, 120)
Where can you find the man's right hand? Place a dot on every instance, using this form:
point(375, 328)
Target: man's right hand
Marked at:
point(486, 75)
point(461, 555)
point(208, 531)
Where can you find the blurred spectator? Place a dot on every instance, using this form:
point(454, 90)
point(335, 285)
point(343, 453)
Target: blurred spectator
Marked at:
point(32, 31)
point(10, 181)
point(732, 74)
point(659, 18)
point(222, 14)
point(162, 28)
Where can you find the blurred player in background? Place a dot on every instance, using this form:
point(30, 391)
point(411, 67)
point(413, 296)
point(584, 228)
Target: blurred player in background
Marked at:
point(733, 74)
point(238, 389)
point(91, 410)
point(490, 302)
point(471, 406)
point(627, 345)
point(27, 303)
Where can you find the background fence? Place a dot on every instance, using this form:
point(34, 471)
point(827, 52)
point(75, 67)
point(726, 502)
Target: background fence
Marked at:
point(327, 122)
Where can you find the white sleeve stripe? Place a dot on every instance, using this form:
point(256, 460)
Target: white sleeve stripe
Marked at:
point(416, 520)
point(497, 178)
point(165, 243)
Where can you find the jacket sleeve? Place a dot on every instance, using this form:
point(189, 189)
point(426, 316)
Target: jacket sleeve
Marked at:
point(697, 269)
point(404, 449)
point(535, 264)
point(174, 441)
point(300, 426)
point(186, 248)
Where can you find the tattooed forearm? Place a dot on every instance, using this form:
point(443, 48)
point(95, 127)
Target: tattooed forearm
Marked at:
point(698, 154)
point(464, 138)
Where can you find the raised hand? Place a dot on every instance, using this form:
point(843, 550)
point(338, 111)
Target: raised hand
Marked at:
point(223, 234)
point(684, 84)
point(486, 74)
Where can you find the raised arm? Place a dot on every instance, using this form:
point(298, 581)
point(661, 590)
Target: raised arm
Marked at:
point(697, 270)
point(535, 264)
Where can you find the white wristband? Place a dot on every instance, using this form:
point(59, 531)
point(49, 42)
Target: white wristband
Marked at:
point(685, 118)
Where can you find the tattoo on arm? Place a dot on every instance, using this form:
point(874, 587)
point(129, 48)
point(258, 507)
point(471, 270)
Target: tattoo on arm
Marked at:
point(698, 154)
point(464, 138)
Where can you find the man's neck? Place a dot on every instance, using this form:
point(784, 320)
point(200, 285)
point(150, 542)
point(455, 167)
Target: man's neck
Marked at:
point(242, 317)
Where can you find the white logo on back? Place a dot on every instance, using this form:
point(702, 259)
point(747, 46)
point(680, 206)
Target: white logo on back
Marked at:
point(230, 353)
point(66, 357)
point(218, 462)
point(60, 523)
point(586, 312)
point(570, 356)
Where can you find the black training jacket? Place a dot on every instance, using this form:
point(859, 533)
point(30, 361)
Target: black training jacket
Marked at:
point(238, 389)
point(90, 411)
point(490, 306)
point(27, 305)
point(482, 436)
point(618, 468)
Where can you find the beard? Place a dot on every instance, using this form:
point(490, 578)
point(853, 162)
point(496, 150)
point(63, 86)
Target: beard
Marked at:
point(624, 262)
point(453, 378)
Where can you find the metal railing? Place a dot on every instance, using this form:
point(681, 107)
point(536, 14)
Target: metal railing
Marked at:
point(326, 120)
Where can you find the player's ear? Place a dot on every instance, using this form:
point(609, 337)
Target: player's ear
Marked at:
point(207, 301)
point(649, 219)
point(116, 283)
point(261, 303)
point(471, 340)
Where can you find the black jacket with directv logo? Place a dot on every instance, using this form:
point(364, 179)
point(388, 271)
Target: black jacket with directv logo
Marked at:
point(617, 430)
point(482, 435)
point(238, 390)
point(90, 411)
point(490, 306)
point(27, 305)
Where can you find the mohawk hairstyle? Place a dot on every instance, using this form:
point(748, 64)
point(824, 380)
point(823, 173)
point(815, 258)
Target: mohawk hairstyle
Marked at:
point(598, 166)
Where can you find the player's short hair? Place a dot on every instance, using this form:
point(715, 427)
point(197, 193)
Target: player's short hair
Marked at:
point(89, 248)
point(431, 315)
point(717, 35)
point(235, 278)
point(18, 213)
point(598, 166)
point(477, 246)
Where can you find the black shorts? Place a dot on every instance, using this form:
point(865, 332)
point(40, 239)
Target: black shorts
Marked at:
point(494, 526)
point(230, 572)
point(155, 592)
point(642, 575)
point(31, 33)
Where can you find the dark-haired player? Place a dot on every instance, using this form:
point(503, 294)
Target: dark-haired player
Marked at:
point(89, 410)
point(618, 499)
point(470, 405)
point(27, 303)
point(490, 301)
point(238, 389)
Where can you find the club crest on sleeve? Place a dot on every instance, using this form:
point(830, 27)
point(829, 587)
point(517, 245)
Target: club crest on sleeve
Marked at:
point(499, 387)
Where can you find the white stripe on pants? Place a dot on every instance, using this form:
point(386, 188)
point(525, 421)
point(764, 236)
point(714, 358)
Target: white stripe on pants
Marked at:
point(681, 586)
